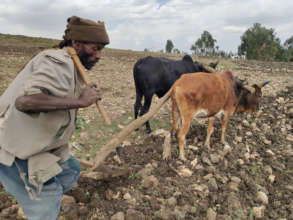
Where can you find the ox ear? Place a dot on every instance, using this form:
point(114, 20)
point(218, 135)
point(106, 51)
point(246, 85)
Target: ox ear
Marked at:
point(257, 89)
point(241, 82)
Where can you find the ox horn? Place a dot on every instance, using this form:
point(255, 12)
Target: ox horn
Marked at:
point(214, 65)
point(265, 83)
point(242, 82)
point(260, 86)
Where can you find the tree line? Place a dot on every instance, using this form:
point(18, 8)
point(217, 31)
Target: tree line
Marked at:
point(257, 43)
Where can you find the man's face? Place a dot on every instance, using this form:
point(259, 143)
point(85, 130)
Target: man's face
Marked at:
point(90, 54)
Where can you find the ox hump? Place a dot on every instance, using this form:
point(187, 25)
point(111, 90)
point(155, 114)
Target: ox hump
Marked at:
point(187, 58)
point(229, 75)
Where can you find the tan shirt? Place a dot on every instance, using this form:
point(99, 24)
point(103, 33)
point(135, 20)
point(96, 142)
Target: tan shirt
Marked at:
point(27, 136)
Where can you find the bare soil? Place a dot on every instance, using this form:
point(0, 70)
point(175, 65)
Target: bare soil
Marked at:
point(252, 181)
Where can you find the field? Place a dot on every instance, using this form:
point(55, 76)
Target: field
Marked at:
point(252, 181)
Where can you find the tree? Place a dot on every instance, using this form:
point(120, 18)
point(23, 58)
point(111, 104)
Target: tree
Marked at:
point(282, 54)
point(205, 45)
point(197, 47)
point(176, 50)
point(169, 46)
point(288, 45)
point(259, 43)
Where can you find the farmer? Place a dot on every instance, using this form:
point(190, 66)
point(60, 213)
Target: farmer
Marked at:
point(37, 119)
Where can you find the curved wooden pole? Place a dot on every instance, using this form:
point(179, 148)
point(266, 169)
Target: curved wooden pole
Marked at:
point(111, 145)
point(208, 68)
point(117, 139)
point(78, 64)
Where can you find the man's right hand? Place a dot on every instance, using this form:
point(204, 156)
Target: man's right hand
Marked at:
point(90, 95)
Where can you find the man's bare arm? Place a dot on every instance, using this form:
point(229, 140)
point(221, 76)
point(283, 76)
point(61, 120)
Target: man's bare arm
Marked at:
point(42, 102)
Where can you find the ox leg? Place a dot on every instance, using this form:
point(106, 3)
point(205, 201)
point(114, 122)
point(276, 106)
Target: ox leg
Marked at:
point(210, 130)
point(175, 119)
point(224, 127)
point(186, 120)
point(145, 109)
point(137, 105)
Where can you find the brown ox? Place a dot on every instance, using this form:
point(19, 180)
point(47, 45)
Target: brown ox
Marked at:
point(205, 95)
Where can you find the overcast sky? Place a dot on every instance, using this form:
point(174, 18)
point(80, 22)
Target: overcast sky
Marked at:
point(140, 24)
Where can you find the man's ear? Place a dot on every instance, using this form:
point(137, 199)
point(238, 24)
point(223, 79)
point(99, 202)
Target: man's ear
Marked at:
point(77, 45)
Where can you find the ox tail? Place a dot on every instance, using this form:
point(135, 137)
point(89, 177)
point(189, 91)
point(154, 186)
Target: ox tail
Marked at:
point(137, 104)
point(138, 90)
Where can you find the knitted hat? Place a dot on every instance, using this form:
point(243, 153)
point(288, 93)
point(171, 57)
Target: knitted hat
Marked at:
point(81, 29)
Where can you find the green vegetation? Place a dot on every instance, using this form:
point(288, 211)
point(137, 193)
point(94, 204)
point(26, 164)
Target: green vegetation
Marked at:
point(91, 128)
point(132, 176)
point(261, 43)
point(80, 122)
point(87, 193)
point(205, 45)
point(146, 204)
point(257, 43)
point(287, 50)
point(169, 46)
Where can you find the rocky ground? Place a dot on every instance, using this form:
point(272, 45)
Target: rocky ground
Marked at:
point(251, 180)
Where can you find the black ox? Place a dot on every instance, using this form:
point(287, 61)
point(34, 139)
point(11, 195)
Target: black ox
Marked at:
point(156, 75)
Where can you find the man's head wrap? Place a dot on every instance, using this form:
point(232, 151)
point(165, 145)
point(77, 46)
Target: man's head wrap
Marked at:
point(81, 29)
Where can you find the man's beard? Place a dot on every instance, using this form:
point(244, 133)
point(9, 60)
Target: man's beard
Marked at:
point(84, 59)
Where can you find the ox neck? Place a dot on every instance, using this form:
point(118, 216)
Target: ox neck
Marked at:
point(238, 99)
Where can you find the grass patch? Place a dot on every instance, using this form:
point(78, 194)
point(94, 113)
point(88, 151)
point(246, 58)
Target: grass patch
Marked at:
point(98, 134)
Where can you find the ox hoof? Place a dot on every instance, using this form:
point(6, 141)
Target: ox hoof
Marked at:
point(227, 149)
point(208, 147)
point(182, 157)
point(166, 157)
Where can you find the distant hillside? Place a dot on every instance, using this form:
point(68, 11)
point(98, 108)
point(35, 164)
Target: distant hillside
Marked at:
point(8, 40)
point(27, 44)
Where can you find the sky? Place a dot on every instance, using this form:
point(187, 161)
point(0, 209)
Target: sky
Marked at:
point(148, 24)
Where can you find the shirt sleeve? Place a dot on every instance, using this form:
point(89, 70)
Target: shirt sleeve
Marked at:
point(50, 75)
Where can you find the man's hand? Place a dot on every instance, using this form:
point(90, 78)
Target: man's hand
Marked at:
point(90, 95)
